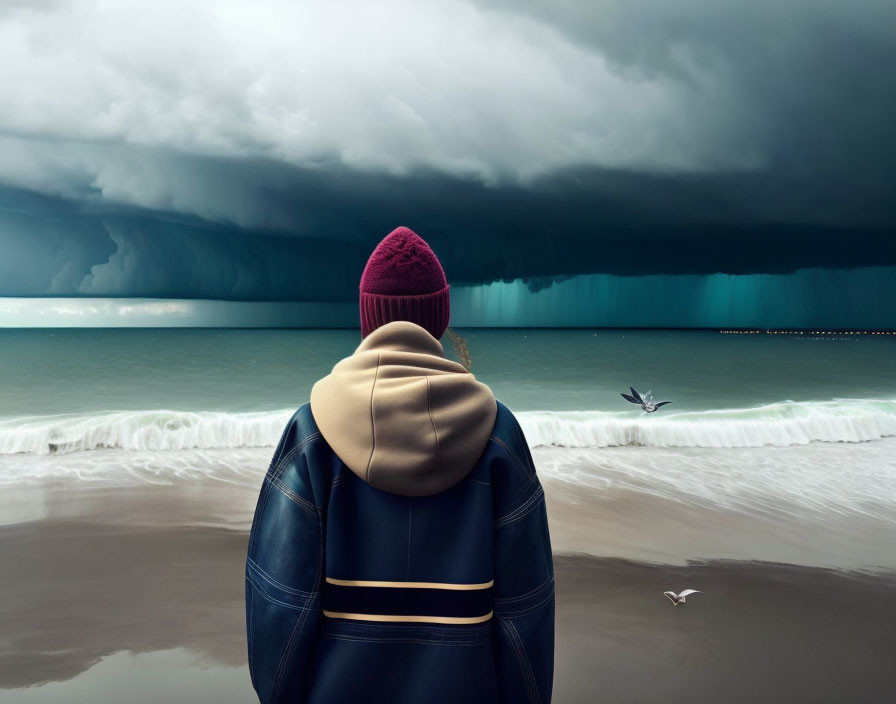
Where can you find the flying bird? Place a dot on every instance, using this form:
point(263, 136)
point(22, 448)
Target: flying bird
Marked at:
point(681, 598)
point(646, 402)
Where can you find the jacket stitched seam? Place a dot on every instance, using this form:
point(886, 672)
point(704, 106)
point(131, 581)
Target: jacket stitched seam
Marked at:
point(281, 669)
point(507, 615)
point(376, 373)
point(276, 467)
point(436, 432)
point(522, 660)
point(275, 460)
point(528, 477)
point(266, 485)
point(300, 501)
point(535, 693)
point(300, 622)
point(523, 510)
point(250, 620)
point(259, 512)
point(527, 665)
point(286, 605)
point(281, 465)
point(513, 646)
point(526, 474)
point(265, 576)
point(508, 599)
point(513, 499)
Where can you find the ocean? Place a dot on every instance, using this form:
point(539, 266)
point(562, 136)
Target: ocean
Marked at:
point(803, 425)
point(130, 461)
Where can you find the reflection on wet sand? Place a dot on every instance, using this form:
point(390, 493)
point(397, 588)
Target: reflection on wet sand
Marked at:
point(82, 584)
point(176, 675)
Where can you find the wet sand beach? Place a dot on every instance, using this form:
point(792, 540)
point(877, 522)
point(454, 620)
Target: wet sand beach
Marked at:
point(114, 590)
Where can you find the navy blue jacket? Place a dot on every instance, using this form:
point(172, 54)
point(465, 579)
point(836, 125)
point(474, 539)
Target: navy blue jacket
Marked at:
point(357, 594)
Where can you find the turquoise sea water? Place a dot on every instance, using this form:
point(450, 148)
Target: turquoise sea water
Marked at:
point(45, 372)
point(758, 425)
point(83, 390)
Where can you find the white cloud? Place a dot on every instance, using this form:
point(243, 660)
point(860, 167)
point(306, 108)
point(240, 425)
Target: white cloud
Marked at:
point(40, 312)
point(386, 86)
point(133, 312)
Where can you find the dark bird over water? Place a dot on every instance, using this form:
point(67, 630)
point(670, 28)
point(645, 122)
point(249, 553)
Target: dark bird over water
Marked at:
point(645, 402)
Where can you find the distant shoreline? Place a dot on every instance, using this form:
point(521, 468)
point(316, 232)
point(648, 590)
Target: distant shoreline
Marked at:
point(157, 313)
point(595, 329)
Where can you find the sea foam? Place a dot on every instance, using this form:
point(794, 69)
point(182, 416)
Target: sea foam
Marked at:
point(141, 430)
point(778, 424)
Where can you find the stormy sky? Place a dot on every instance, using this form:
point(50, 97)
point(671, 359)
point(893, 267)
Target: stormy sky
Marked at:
point(260, 150)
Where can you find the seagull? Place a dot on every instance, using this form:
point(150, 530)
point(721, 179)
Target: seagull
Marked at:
point(645, 402)
point(681, 598)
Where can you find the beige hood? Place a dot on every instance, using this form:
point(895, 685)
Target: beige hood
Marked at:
point(400, 415)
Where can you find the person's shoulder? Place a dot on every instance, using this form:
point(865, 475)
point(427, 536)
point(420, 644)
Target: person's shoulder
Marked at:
point(506, 424)
point(515, 482)
point(509, 436)
point(300, 431)
point(298, 469)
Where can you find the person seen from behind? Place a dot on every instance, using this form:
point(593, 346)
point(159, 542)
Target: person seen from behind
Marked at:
point(400, 549)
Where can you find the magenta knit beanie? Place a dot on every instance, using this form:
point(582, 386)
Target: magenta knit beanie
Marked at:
point(403, 280)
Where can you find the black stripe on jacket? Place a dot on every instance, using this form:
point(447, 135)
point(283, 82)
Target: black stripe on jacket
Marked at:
point(408, 601)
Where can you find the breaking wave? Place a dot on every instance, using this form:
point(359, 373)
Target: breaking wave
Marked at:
point(777, 424)
point(780, 424)
point(141, 430)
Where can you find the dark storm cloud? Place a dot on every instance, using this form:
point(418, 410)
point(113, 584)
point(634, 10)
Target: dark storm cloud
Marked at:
point(255, 151)
point(814, 76)
point(156, 254)
point(575, 222)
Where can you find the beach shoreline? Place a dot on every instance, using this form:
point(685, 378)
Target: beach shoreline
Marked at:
point(108, 570)
point(652, 505)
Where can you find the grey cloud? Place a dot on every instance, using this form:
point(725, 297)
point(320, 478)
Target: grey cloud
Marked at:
point(134, 106)
point(808, 79)
point(388, 87)
point(260, 150)
point(574, 222)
